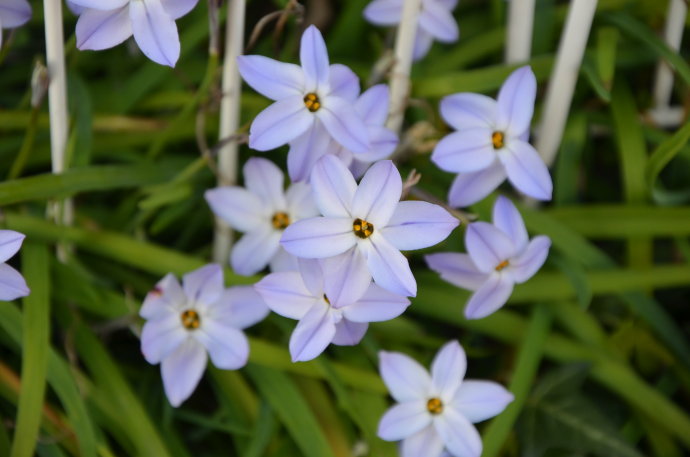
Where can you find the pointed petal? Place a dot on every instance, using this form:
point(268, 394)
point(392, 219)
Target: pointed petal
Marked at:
point(383, 142)
point(272, 79)
point(280, 123)
point(468, 188)
point(487, 245)
point(314, 58)
point(349, 333)
point(346, 278)
point(406, 379)
point(97, 30)
point(378, 194)
point(239, 307)
point(481, 400)
point(465, 151)
point(241, 209)
point(422, 44)
point(167, 294)
point(178, 8)
point(12, 284)
point(525, 265)
point(448, 370)
point(526, 170)
point(403, 420)
point(457, 269)
point(254, 250)
point(377, 305)
point(204, 284)
point(390, 268)
point(384, 12)
point(300, 201)
point(306, 150)
point(102, 5)
point(227, 346)
point(161, 336)
point(417, 225)
point(515, 101)
point(344, 124)
point(155, 32)
point(438, 22)
point(14, 13)
point(507, 218)
point(285, 294)
point(491, 296)
point(372, 105)
point(344, 82)
point(263, 178)
point(313, 334)
point(425, 442)
point(10, 242)
point(318, 237)
point(467, 111)
point(182, 371)
point(334, 187)
point(458, 434)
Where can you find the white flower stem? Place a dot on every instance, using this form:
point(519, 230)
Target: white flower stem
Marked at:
point(400, 74)
point(673, 34)
point(520, 28)
point(57, 99)
point(229, 118)
point(559, 93)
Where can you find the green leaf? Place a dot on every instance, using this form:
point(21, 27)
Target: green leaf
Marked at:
point(661, 157)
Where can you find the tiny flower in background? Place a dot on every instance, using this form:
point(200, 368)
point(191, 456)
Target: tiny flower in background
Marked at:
point(12, 283)
point(185, 322)
point(436, 412)
point(491, 142)
point(13, 13)
point(262, 210)
point(103, 24)
point(364, 228)
point(435, 21)
point(314, 296)
point(500, 256)
point(315, 95)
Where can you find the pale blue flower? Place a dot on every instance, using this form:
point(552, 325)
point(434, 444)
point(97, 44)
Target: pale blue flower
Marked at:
point(13, 13)
point(500, 256)
point(103, 24)
point(314, 296)
point(436, 412)
point(262, 211)
point(435, 21)
point(186, 322)
point(491, 142)
point(12, 283)
point(364, 227)
point(315, 95)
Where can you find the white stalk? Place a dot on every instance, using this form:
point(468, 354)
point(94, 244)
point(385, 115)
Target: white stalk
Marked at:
point(400, 74)
point(520, 28)
point(673, 34)
point(229, 118)
point(559, 93)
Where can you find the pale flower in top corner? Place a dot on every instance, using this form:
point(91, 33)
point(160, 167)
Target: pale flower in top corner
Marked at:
point(13, 13)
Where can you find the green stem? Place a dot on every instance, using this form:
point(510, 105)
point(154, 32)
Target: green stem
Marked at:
point(27, 145)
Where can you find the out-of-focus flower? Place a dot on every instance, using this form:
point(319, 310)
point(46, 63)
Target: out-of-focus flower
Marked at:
point(315, 297)
point(313, 96)
point(262, 210)
point(13, 13)
point(491, 142)
point(103, 24)
point(435, 21)
point(185, 322)
point(436, 412)
point(364, 228)
point(500, 256)
point(12, 283)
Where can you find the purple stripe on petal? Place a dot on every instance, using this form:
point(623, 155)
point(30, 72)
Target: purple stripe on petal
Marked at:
point(468, 188)
point(272, 79)
point(487, 245)
point(468, 110)
point(372, 105)
point(384, 12)
point(465, 151)
point(349, 333)
point(378, 194)
point(390, 268)
point(254, 251)
point(286, 294)
point(481, 400)
point(403, 420)
point(97, 30)
point(10, 242)
point(305, 150)
point(102, 5)
point(438, 22)
point(526, 170)
point(417, 225)
point(319, 237)
point(525, 265)
point(425, 442)
point(491, 296)
point(458, 434)
point(507, 218)
point(334, 187)
point(204, 284)
point(344, 83)
point(313, 334)
point(346, 277)
point(515, 103)
point(182, 371)
point(280, 123)
point(263, 178)
point(227, 346)
point(155, 32)
point(12, 284)
point(344, 124)
point(377, 305)
point(14, 13)
point(448, 370)
point(405, 378)
point(314, 59)
point(457, 269)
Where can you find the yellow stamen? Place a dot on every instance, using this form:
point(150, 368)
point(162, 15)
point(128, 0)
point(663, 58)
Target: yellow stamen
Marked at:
point(327, 300)
point(280, 220)
point(434, 406)
point(362, 228)
point(312, 102)
point(190, 319)
point(502, 265)
point(498, 140)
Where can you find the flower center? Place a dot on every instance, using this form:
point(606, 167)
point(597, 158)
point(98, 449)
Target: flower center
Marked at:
point(327, 300)
point(498, 140)
point(190, 319)
point(362, 228)
point(280, 220)
point(434, 406)
point(311, 101)
point(502, 265)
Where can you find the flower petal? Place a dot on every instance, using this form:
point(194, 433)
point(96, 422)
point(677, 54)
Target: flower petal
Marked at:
point(422, 44)
point(102, 5)
point(405, 378)
point(280, 123)
point(417, 225)
point(14, 13)
point(97, 30)
point(531, 259)
point(161, 336)
point(346, 277)
point(313, 334)
point(526, 170)
point(458, 434)
point(467, 111)
point(448, 370)
point(239, 307)
point(167, 294)
point(515, 102)
point(178, 8)
point(318, 237)
point(344, 82)
point(263, 178)
point(426, 442)
point(438, 22)
point(492, 295)
point(314, 59)
point(384, 12)
point(372, 105)
point(481, 400)
point(205, 284)
point(227, 346)
point(300, 201)
point(282, 261)
point(334, 187)
point(389, 268)
point(271, 78)
point(241, 209)
point(349, 333)
point(465, 151)
point(377, 305)
point(378, 194)
point(12, 284)
point(182, 370)
point(10, 242)
point(254, 251)
point(383, 142)
point(285, 294)
point(468, 188)
point(488, 246)
point(155, 32)
point(457, 269)
point(403, 420)
point(344, 124)
point(306, 150)
point(507, 218)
